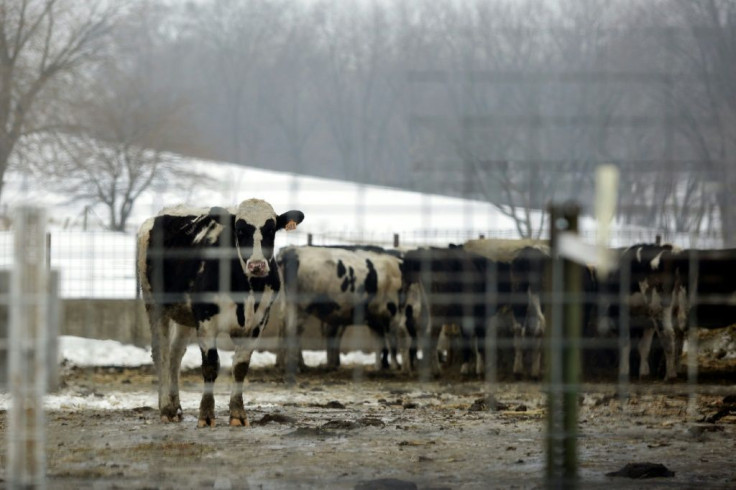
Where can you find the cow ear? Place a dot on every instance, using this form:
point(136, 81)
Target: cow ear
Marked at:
point(289, 220)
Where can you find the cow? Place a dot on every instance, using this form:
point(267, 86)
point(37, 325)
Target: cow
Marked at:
point(467, 289)
point(711, 287)
point(651, 286)
point(207, 271)
point(343, 286)
point(714, 281)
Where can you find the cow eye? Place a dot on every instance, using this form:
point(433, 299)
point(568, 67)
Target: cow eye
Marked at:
point(268, 227)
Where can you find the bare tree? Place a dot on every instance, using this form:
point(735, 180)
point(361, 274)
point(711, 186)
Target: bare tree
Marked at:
point(706, 57)
point(240, 37)
point(358, 85)
point(526, 118)
point(41, 42)
point(113, 146)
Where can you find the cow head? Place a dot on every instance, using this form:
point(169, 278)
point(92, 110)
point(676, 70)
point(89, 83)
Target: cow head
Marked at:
point(256, 224)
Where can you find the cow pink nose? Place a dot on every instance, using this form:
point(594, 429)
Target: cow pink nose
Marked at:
point(258, 267)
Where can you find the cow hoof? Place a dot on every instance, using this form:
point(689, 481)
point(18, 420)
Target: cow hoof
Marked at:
point(206, 423)
point(239, 422)
point(171, 414)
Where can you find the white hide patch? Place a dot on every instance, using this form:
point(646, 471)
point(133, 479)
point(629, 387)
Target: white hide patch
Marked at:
point(503, 250)
point(255, 212)
point(654, 264)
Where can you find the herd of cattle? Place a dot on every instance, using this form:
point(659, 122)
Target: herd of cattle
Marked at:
point(206, 271)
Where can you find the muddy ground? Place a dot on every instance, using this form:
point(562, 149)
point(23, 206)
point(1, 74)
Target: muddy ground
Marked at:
point(351, 428)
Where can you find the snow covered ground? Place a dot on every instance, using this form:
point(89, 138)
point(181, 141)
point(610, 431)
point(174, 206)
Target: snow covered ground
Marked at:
point(82, 352)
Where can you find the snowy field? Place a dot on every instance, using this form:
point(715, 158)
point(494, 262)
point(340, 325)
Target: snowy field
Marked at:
point(100, 264)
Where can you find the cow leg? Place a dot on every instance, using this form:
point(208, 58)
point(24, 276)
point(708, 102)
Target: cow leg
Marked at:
point(168, 396)
point(333, 336)
point(668, 344)
point(644, 348)
point(480, 359)
point(623, 360)
point(536, 326)
point(681, 318)
point(180, 338)
point(207, 334)
point(537, 355)
point(392, 344)
point(404, 344)
point(379, 348)
point(393, 337)
point(241, 363)
point(518, 348)
point(466, 349)
point(429, 345)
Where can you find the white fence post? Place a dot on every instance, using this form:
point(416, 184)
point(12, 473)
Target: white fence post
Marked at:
point(28, 341)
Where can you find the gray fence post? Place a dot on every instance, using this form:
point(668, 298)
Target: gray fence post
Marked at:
point(563, 355)
point(29, 339)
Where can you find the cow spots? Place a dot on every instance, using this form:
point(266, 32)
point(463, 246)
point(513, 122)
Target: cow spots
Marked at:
point(348, 283)
point(322, 306)
point(240, 313)
point(205, 311)
point(411, 321)
point(371, 279)
point(240, 370)
point(341, 270)
point(392, 308)
point(210, 365)
point(256, 332)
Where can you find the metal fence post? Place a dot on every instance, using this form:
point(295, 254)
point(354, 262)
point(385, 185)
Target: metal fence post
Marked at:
point(563, 355)
point(28, 343)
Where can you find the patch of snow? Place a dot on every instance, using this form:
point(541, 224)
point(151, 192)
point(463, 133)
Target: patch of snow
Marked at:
point(83, 352)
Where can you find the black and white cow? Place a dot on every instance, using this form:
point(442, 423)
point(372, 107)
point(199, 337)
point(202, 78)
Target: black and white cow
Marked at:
point(344, 286)
point(647, 295)
point(467, 289)
point(714, 279)
point(207, 271)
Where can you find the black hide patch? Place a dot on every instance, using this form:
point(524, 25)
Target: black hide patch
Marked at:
point(240, 312)
point(371, 279)
point(411, 322)
point(322, 306)
point(340, 269)
point(240, 370)
point(210, 365)
point(349, 281)
point(244, 233)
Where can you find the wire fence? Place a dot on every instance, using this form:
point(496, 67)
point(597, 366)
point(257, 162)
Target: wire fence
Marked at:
point(571, 373)
point(99, 264)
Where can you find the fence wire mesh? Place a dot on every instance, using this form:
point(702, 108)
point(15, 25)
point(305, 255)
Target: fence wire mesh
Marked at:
point(430, 363)
point(440, 352)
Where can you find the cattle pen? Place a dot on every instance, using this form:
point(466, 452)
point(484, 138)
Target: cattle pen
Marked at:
point(364, 425)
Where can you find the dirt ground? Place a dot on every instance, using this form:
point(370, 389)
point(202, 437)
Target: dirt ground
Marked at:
point(358, 429)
